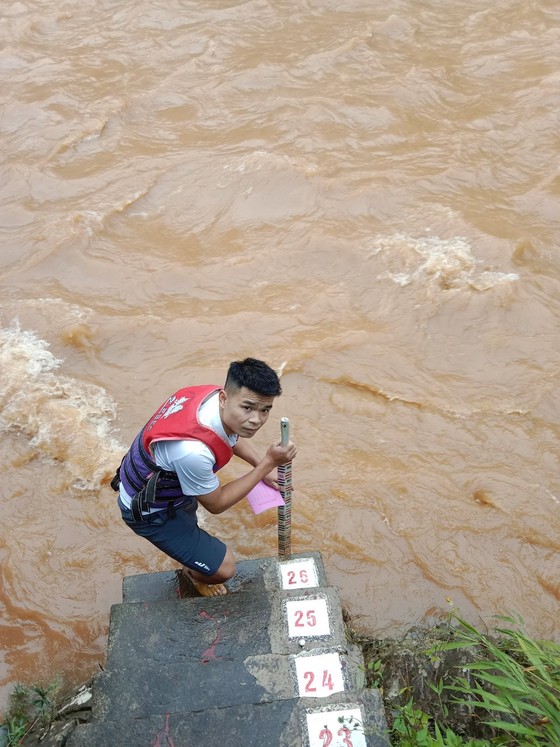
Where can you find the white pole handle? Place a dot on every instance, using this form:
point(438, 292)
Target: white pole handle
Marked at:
point(284, 431)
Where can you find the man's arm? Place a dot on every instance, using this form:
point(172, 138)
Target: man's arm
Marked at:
point(245, 451)
point(226, 496)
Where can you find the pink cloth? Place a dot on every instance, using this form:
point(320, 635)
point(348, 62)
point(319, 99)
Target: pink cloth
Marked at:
point(263, 497)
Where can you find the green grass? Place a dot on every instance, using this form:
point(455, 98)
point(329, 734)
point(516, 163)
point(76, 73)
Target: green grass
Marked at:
point(514, 683)
point(507, 688)
point(30, 708)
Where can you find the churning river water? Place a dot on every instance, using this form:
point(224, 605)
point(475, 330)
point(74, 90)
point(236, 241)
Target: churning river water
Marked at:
point(364, 194)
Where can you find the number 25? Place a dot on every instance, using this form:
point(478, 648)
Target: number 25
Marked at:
point(310, 620)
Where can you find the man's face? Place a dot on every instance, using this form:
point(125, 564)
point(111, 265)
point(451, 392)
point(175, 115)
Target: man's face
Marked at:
point(244, 412)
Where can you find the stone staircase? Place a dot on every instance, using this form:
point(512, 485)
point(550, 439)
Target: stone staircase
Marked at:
point(268, 665)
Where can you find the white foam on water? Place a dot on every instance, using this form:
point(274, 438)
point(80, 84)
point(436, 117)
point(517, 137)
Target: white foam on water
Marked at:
point(261, 159)
point(64, 418)
point(447, 263)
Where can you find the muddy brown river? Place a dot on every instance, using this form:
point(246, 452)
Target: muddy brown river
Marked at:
point(365, 195)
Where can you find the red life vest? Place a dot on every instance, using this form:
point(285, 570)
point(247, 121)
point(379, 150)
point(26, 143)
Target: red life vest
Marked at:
point(177, 420)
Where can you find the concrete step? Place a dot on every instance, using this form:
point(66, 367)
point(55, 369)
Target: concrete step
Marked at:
point(243, 647)
point(181, 685)
point(268, 664)
point(302, 570)
point(350, 721)
point(228, 627)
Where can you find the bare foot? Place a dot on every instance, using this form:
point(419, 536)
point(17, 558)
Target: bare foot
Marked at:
point(205, 590)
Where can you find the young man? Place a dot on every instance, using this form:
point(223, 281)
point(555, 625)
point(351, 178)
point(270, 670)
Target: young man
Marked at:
point(172, 463)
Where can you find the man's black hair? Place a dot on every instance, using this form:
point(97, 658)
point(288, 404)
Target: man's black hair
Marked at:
point(254, 375)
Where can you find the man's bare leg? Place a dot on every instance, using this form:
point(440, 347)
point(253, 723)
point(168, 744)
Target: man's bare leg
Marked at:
point(213, 586)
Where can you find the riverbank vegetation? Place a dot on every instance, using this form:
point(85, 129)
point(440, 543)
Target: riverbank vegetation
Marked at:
point(455, 686)
point(32, 709)
point(447, 686)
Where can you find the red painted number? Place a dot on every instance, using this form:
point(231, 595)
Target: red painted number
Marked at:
point(327, 680)
point(303, 577)
point(326, 735)
point(310, 620)
point(308, 687)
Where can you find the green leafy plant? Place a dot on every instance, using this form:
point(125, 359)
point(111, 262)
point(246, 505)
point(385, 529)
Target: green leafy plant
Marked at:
point(458, 686)
point(375, 672)
point(514, 681)
point(414, 728)
point(30, 707)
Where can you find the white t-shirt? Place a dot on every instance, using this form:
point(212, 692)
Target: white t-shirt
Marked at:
point(193, 461)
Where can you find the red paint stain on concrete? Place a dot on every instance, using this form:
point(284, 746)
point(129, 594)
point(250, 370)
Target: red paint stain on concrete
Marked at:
point(165, 735)
point(210, 652)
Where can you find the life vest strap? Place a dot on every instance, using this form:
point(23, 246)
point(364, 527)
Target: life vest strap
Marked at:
point(145, 499)
point(116, 481)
